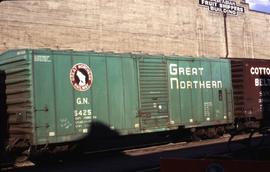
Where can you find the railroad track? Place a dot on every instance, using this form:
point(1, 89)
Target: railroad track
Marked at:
point(185, 145)
point(147, 159)
point(237, 145)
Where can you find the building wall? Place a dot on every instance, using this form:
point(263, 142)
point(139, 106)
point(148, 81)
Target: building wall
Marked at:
point(139, 26)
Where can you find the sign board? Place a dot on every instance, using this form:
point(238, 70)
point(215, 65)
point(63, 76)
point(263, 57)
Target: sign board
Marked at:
point(223, 6)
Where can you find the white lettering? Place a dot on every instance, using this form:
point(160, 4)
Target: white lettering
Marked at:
point(42, 58)
point(219, 83)
point(176, 83)
point(214, 84)
point(261, 82)
point(181, 71)
point(82, 101)
point(173, 70)
point(257, 82)
point(195, 83)
point(201, 70)
point(189, 84)
point(188, 71)
point(208, 84)
point(194, 71)
point(252, 70)
point(267, 71)
point(260, 71)
point(182, 84)
point(225, 6)
point(202, 84)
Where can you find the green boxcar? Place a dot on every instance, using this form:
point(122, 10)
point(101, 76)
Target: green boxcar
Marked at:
point(57, 96)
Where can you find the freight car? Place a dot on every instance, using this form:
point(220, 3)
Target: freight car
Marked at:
point(251, 83)
point(60, 97)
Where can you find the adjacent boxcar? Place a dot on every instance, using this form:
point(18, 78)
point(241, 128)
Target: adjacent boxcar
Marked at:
point(251, 83)
point(57, 96)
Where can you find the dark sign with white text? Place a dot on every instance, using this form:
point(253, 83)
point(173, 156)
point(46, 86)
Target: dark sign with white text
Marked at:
point(222, 6)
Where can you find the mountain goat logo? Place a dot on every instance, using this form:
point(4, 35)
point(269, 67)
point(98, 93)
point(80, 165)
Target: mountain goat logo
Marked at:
point(81, 77)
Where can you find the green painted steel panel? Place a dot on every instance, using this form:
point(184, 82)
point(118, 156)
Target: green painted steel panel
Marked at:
point(217, 103)
point(207, 93)
point(185, 95)
point(200, 92)
point(130, 83)
point(82, 104)
point(62, 88)
point(50, 99)
point(44, 102)
point(197, 98)
point(175, 100)
point(100, 89)
point(115, 90)
point(228, 91)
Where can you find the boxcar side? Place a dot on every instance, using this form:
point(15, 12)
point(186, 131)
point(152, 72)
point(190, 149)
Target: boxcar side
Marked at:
point(251, 83)
point(56, 97)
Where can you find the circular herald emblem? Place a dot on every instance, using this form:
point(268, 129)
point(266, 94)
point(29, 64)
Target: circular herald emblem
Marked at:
point(81, 77)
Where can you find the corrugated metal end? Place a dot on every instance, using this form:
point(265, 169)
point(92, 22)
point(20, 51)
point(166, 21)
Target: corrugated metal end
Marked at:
point(17, 92)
